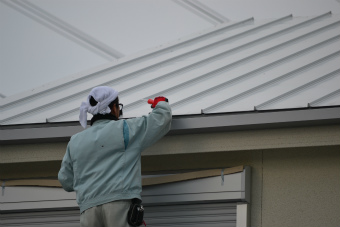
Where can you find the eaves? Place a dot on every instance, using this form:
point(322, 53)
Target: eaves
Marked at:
point(204, 123)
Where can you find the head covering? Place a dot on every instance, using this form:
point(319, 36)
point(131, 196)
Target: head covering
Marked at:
point(104, 96)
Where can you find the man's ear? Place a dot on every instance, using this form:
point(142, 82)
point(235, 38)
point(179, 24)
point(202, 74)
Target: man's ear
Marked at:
point(112, 110)
point(115, 111)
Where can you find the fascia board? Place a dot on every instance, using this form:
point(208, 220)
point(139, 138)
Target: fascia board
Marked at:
point(186, 124)
point(256, 120)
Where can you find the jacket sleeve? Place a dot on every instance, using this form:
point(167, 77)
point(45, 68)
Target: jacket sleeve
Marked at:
point(147, 130)
point(65, 175)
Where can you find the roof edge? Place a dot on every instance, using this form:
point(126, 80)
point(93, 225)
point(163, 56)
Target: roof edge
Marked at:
point(192, 124)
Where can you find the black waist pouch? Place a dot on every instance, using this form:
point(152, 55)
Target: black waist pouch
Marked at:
point(136, 213)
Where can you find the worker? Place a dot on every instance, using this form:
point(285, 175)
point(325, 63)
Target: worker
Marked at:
point(102, 164)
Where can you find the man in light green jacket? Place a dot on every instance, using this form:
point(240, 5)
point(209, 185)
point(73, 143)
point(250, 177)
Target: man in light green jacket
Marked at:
point(102, 164)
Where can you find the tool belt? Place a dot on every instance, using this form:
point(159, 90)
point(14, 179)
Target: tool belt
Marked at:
point(136, 213)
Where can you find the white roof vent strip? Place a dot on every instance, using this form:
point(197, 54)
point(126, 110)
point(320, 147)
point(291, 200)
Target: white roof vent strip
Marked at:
point(271, 82)
point(306, 86)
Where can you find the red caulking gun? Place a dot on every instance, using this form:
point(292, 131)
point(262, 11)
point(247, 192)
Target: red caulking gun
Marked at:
point(154, 102)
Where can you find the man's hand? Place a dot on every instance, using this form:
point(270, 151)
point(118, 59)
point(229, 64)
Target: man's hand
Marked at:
point(156, 100)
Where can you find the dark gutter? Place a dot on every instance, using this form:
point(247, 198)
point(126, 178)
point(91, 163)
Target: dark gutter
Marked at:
point(203, 123)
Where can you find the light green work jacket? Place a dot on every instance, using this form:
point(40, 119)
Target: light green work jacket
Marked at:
point(103, 162)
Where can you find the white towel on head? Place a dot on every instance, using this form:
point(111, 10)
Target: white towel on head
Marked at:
point(104, 96)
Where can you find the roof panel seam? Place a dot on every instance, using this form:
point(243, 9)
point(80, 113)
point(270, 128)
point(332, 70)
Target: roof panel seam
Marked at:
point(273, 81)
point(242, 61)
point(249, 74)
point(299, 89)
point(324, 98)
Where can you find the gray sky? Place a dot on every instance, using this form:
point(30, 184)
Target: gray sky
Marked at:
point(33, 53)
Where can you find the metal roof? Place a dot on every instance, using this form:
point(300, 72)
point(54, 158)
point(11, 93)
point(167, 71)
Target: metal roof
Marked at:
point(53, 39)
point(244, 66)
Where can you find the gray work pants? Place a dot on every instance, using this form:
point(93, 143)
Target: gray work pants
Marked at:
point(113, 214)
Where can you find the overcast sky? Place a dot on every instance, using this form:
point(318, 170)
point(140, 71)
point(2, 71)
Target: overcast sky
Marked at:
point(33, 53)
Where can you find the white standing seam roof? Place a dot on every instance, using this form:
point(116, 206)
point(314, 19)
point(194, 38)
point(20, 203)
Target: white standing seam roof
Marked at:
point(290, 62)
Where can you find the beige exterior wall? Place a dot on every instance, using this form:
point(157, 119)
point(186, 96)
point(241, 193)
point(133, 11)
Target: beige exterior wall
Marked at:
point(290, 187)
point(195, 143)
point(295, 171)
point(301, 188)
